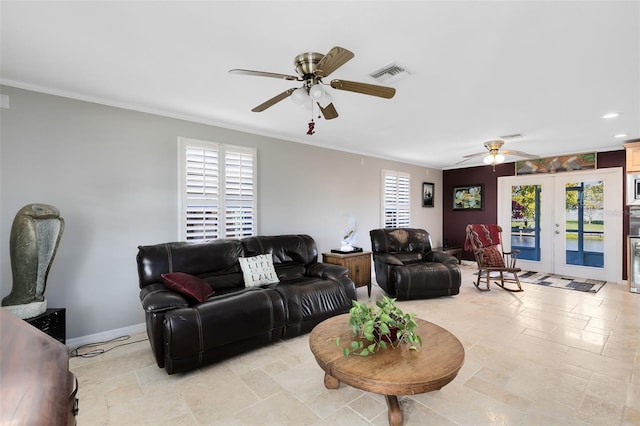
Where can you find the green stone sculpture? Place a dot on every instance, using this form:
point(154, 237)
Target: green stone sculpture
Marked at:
point(34, 239)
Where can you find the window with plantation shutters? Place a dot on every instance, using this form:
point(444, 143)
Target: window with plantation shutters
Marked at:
point(395, 199)
point(217, 185)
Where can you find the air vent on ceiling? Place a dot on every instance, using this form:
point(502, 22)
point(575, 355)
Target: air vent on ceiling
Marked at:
point(391, 73)
point(513, 136)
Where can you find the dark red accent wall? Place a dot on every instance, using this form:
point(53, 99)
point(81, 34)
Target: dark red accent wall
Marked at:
point(455, 221)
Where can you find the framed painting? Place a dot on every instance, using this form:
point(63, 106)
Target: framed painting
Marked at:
point(428, 192)
point(560, 163)
point(469, 197)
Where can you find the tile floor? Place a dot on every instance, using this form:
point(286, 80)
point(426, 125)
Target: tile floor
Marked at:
point(545, 356)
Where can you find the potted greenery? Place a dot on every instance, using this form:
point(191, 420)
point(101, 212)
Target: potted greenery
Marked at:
point(380, 326)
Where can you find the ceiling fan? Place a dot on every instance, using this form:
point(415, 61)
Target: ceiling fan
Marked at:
point(496, 155)
point(312, 68)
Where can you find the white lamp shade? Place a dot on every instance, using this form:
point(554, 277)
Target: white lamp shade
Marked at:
point(325, 100)
point(299, 96)
point(493, 159)
point(316, 92)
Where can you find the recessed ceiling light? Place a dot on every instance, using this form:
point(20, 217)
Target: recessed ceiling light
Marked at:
point(611, 115)
point(621, 135)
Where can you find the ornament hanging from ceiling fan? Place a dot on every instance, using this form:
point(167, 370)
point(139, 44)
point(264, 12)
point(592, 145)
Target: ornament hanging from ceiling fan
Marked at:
point(312, 68)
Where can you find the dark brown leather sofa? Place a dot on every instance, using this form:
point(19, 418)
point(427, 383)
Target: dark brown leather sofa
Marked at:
point(407, 268)
point(185, 334)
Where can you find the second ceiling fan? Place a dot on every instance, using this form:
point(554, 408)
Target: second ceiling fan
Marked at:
point(312, 68)
point(495, 154)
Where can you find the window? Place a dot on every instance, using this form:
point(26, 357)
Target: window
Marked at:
point(395, 199)
point(217, 190)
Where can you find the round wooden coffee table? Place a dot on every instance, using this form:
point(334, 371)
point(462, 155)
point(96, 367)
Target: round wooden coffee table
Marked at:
point(389, 372)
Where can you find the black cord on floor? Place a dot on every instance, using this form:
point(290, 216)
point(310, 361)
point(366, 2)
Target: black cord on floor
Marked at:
point(99, 351)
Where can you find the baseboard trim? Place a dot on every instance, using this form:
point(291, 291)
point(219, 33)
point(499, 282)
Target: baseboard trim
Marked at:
point(106, 335)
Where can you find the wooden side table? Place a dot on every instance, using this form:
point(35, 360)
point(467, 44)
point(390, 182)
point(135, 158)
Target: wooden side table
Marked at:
point(358, 264)
point(452, 251)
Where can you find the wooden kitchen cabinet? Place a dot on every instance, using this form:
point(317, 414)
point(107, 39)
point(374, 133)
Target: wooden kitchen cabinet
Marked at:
point(633, 156)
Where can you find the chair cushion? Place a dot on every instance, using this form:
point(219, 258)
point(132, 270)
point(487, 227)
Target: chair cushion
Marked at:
point(188, 285)
point(491, 256)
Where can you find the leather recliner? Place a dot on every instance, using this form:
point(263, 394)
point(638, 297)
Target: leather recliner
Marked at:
point(407, 268)
point(185, 334)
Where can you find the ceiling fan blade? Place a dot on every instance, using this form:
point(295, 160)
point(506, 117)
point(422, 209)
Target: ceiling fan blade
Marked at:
point(477, 154)
point(263, 74)
point(273, 100)
point(364, 88)
point(329, 112)
point(334, 59)
point(518, 153)
point(462, 161)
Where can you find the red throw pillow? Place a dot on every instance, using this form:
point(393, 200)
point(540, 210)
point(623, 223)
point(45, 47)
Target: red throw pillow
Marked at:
point(188, 285)
point(492, 256)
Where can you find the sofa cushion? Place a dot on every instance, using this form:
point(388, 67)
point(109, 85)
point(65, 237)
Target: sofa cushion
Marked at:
point(258, 270)
point(188, 285)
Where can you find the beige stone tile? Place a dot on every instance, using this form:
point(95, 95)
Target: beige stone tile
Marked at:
point(93, 410)
point(548, 413)
point(550, 384)
point(343, 417)
point(278, 410)
point(595, 411)
point(604, 365)
point(123, 394)
point(631, 416)
point(368, 407)
point(149, 409)
point(465, 406)
point(583, 373)
point(498, 393)
point(208, 395)
point(608, 389)
point(416, 414)
point(261, 383)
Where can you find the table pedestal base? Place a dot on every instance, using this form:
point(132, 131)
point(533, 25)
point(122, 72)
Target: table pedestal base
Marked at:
point(395, 414)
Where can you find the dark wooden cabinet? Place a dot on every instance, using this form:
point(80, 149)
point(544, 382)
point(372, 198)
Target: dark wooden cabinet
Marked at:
point(51, 322)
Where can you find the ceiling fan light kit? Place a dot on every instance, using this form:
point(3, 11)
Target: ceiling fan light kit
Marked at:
point(311, 68)
point(493, 159)
point(496, 155)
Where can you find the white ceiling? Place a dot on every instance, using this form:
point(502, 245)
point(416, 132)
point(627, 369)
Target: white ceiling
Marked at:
point(548, 70)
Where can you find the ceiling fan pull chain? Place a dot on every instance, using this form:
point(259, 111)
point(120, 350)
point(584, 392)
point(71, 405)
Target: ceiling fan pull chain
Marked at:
point(311, 127)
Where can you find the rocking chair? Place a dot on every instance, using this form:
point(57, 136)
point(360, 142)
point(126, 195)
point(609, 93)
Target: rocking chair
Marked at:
point(485, 241)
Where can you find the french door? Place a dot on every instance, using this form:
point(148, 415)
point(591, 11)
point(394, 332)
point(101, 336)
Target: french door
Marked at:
point(567, 223)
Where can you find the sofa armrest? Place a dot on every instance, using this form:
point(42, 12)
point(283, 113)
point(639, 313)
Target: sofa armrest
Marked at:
point(158, 298)
point(326, 271)
point(440, 257)
point(389, 259)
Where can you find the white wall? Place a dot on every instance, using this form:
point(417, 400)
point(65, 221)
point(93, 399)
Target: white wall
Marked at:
point(112, 173)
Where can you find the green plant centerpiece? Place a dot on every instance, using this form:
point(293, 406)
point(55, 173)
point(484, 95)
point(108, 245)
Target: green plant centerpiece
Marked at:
point(380, 326)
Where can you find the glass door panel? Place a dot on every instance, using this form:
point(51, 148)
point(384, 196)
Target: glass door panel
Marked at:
point(584, 223)
point(525, 220)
